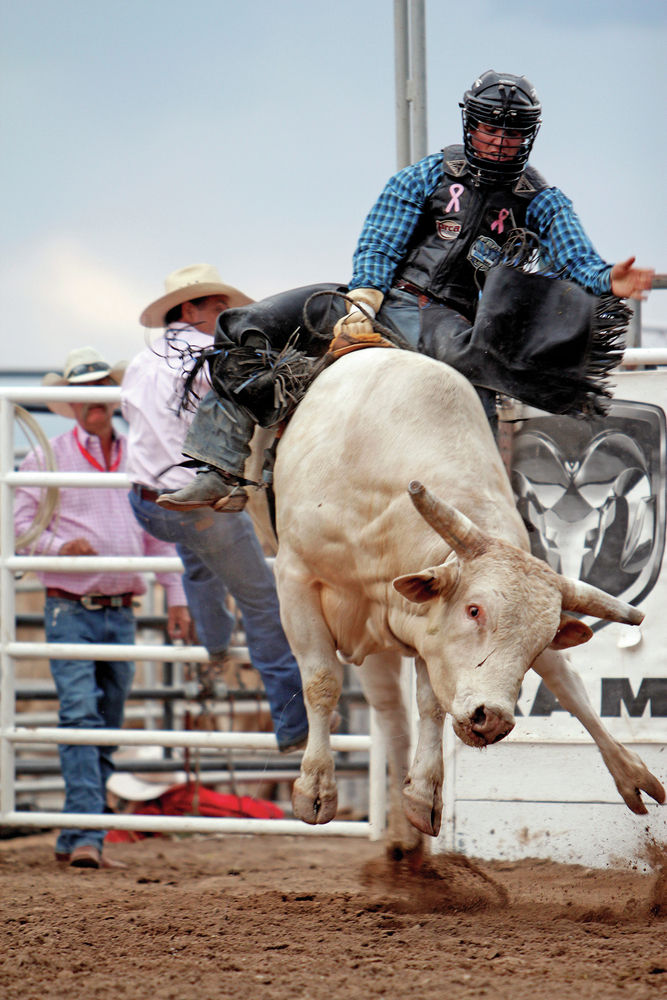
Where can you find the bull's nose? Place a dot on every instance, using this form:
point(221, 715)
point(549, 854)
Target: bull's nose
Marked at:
point(489, 725)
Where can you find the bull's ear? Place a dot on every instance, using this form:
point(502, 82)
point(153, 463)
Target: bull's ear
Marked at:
point(436, 581)
point(571, 632)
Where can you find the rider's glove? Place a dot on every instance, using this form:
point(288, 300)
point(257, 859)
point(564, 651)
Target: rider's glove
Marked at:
point(358, 323)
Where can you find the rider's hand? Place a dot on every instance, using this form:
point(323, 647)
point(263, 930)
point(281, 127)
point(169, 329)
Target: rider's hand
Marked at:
point(358, 324)
point(628, 282)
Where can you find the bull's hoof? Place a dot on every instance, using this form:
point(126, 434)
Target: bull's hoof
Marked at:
point(632, 777)
point(633, 796)
point(314, 809)
point(423, 814)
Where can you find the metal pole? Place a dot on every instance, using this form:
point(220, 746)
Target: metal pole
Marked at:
point(634, 335)
point(190, 824)
point(204, 738)
point(377, 780)
point(418, 79)
point(7, 610)
point(410, 74)
point(411, 145)
point(401, 72)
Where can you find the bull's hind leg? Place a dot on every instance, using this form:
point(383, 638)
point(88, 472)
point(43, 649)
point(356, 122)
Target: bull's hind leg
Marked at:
point(380, 679)
point(314, 796)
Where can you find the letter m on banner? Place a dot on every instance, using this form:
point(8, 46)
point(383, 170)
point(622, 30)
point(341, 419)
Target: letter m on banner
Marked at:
point(618, 690)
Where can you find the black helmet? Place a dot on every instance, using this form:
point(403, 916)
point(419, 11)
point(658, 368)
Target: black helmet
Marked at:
point(510, 106)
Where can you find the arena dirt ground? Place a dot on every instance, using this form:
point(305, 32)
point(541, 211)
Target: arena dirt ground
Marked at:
point(277, 918)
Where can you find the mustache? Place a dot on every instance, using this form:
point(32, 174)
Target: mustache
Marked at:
point(91, 406)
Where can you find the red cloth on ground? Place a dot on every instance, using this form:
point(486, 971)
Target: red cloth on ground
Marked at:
point(189, 799)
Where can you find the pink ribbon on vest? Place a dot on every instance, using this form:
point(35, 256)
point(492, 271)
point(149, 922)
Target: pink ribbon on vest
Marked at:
point(499, 224)
point(455, 190)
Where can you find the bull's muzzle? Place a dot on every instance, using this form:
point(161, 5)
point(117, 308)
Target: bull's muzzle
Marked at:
point(483, 727)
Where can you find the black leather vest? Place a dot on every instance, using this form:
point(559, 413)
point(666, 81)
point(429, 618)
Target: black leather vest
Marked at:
point(461, 230)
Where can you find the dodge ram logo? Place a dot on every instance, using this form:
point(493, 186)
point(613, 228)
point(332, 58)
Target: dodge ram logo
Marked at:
point(592, 495)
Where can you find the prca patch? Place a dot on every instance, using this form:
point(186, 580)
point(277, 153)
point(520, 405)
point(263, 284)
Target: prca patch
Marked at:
point(448, 229)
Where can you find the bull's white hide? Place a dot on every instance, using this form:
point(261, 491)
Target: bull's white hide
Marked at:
point(366, 428)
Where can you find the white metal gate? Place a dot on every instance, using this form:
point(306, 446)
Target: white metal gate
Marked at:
point(11, 651)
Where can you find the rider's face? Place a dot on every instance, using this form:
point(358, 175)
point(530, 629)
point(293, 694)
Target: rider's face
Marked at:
point(493, 143)
point(204, 312)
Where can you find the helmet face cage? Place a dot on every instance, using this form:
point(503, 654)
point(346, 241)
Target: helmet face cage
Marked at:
point(501, 117)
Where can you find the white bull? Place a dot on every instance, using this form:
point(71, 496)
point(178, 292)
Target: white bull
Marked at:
point(376, 570)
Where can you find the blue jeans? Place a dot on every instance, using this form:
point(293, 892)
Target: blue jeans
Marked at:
point(402, 308)
point(91, 695)
point(221, 554)
point(219, 434)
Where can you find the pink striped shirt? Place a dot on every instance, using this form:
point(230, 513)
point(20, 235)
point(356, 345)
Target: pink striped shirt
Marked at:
point(150, 399)
point(102, 516)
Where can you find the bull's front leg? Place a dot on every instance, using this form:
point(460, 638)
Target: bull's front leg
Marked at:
point(422, 792)
point(314, 795)
point(628, 770)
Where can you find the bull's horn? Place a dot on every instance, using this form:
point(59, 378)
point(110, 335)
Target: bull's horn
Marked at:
point(578, 596)
point(465, 538)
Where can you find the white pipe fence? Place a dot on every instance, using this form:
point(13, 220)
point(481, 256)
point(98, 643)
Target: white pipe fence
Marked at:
point(11, 651)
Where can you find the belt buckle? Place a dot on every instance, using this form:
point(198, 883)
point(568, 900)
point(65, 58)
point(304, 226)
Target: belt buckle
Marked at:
point(89, 603)
point(116, 601)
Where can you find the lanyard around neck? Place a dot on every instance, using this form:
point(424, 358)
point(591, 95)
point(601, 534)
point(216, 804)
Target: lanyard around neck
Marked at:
point(91, 458)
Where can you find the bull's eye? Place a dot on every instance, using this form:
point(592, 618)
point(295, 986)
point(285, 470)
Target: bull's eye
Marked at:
point(473, 611)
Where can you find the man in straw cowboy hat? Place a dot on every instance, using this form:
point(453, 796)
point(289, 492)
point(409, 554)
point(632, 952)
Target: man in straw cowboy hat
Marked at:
point(91, 607)
point(221, 555)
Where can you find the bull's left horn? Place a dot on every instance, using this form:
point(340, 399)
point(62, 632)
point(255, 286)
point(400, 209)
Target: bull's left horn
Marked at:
point(465, 538)
point(588, 600)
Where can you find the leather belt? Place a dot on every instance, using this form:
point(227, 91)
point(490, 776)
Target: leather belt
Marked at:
point(407, 286)
point(423, 298)
point(145, 493)
point(93, 602)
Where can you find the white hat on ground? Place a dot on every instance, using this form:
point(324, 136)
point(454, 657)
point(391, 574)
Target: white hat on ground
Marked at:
point(142, 786)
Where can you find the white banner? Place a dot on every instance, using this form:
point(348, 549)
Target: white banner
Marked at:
point(593, 496)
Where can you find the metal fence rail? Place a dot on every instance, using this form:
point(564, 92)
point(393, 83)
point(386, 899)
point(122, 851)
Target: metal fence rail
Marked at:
point(11, 651)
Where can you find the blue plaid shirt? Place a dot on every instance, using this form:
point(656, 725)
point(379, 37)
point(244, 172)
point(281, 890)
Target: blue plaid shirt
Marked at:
point(389, 225)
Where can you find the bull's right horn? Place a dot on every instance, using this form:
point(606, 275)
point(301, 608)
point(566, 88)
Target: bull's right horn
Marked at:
point(465, 538)
point(588, 600)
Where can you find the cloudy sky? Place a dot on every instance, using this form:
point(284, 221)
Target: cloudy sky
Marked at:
point(143, 135)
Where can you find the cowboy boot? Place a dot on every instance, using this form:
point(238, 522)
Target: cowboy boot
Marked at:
point(210, 488)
